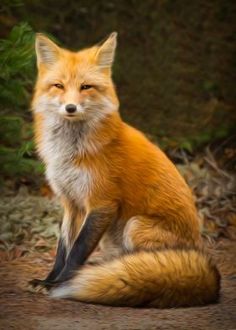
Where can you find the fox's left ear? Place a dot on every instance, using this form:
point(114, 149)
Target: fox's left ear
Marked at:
point(106, 52)
point(46, 50)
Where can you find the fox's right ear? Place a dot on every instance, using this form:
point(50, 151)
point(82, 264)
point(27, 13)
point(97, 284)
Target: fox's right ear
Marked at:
point(46, 50)
point(106, 51)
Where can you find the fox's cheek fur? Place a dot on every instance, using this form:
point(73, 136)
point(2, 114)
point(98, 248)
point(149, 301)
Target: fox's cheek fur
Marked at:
point(47, 104)
point(90, 108)
point(98, 107)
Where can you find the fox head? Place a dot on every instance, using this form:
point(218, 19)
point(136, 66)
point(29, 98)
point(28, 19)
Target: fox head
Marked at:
point(75, 86)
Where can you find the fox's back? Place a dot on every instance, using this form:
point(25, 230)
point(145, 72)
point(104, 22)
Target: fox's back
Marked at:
point(147, 174)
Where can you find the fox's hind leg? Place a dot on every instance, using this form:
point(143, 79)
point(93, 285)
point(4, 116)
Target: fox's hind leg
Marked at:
point(143, 232)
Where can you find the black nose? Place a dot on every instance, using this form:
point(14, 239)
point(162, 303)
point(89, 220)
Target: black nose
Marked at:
point(70, 108)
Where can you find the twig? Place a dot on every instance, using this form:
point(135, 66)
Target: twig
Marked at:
point(214, 165)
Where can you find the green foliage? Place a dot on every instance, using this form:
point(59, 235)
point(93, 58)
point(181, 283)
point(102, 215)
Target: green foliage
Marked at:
point(16, 67)
point(10, 130)
point(14, 164)
point(7, 6)
point(192, 142)
point(16, 81)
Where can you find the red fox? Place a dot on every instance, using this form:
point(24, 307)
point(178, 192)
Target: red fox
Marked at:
point(119, 192)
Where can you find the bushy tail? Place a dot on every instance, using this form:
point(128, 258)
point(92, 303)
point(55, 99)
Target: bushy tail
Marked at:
point(168, 278)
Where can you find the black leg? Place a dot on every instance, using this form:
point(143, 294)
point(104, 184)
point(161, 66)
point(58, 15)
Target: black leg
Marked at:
point(91, 232)
point(59, 262)
point(57, 268)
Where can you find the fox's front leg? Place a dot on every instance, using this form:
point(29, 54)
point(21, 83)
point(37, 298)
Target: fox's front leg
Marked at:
point(93, 228)
point(57, 268)
point(70, 227)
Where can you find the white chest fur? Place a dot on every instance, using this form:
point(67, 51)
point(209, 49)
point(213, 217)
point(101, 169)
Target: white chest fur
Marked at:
point(62, 143)
point(69, 180)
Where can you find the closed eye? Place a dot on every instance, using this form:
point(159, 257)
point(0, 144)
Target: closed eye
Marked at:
point(60, 86)
point(84, 87)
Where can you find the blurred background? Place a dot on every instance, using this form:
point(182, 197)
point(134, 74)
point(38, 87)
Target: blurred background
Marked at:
point(175, 67)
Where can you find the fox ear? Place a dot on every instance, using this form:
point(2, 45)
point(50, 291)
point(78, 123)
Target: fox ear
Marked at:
point(47, 51)
point(106, 52)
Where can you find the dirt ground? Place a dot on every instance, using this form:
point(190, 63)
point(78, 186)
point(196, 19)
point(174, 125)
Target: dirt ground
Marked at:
point(22, 309)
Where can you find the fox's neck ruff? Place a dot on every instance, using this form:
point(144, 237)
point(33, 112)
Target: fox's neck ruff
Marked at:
point(62, 139)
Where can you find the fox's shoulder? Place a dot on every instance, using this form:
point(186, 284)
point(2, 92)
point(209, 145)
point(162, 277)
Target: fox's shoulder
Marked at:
point(135, 142)
point(139, 151)
point(134, 136)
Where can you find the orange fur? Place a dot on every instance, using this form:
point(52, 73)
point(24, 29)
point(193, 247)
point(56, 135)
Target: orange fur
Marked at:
point(170, 278)
point(120, 169)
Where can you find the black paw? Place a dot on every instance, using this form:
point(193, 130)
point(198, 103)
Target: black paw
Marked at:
point(42, 283)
